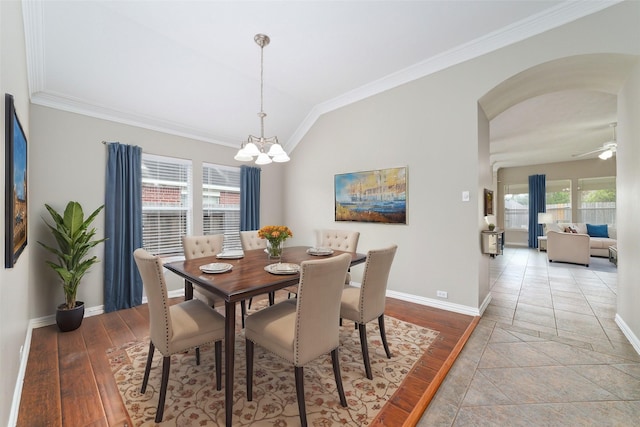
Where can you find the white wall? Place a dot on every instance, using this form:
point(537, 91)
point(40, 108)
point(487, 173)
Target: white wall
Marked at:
point(69, 160)
point(485, 180)
point(431, 126)
point(628, 208)
point(15, 297)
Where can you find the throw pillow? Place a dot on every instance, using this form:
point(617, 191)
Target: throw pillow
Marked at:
point(597, 230)
point(570, 230)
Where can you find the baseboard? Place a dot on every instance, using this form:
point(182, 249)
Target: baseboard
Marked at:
point(485, 303)
point(430, 302)
point(46, 321)
point(633, 339)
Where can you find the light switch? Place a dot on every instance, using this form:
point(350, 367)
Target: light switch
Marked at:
point(465, 196)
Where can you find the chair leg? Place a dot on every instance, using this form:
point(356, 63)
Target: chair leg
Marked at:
point(166, 366)
point(365, 350)
point(299, 374)
point(336, 373)
point(249, 368)
point(383, 335)
point(197, 355)
point(218, 356)
point(147, 368)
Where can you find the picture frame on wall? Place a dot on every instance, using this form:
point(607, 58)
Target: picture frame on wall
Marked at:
point(372, 196)
point(15, 185)
point(488, 202)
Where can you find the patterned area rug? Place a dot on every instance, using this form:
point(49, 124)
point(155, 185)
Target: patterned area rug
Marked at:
point(192, 399)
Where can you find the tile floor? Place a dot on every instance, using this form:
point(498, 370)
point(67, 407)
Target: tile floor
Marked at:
point(547, 351)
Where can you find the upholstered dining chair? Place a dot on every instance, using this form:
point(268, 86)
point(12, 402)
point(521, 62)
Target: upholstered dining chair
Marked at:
point(202, 246)
point(302, 329)
point(198, 247)
point(340, 240)
point(367, 302)
point(249, 241)
point(175, 328)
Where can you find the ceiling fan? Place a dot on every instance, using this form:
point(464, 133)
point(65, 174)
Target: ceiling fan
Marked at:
point(607, 150)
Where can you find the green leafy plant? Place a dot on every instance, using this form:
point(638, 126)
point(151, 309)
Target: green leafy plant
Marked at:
point(75, 239)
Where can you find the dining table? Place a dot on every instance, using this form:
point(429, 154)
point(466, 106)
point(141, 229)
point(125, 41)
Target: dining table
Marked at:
point(246, 278)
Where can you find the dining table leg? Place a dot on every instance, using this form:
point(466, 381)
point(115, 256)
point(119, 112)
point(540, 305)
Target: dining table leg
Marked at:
point(229, 350)
point(188, 290)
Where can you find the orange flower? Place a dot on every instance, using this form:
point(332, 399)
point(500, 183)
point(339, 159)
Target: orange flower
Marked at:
point(275, 233)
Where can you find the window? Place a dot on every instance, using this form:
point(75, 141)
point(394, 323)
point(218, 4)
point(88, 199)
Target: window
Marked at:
point(166, 203)
point(597, 200)
point(221, 203)
point(516, 207)
point(558, 197)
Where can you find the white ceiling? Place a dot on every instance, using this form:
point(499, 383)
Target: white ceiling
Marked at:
point(191, 68)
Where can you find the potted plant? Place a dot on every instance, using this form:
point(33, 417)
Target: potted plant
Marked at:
point(74, 239)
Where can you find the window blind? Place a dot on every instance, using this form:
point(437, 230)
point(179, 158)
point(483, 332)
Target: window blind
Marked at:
point(166, 203)
point(221, 203)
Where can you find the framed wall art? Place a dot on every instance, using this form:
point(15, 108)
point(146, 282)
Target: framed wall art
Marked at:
point(15, 185)
point(488, 202)
point(372, 196)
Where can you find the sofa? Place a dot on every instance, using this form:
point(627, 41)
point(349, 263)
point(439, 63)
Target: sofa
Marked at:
point(601, 236)
point(568, 247)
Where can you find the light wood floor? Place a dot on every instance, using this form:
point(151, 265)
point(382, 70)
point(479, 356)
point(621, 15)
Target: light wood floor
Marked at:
point(68, 381)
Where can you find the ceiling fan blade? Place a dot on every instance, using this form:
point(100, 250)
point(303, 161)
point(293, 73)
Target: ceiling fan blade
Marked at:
point(590, 152)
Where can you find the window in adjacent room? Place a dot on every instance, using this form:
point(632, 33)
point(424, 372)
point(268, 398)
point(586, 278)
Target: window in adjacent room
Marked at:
point(558, 196)
point(166, 203)
point(221, 203)
point(597, 200)
point(516, 207)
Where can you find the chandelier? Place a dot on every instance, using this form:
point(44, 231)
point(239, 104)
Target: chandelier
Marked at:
point(264, 149)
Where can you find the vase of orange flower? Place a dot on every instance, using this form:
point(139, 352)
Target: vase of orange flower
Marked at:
point(275, 236)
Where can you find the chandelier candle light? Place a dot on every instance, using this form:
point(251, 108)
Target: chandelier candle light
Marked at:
point(275, 235)
point(264, 149)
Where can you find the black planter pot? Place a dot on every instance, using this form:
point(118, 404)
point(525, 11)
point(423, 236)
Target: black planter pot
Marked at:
point(70, 320)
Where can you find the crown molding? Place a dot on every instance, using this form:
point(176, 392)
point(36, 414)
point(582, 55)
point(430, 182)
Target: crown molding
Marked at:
point(549, 19)
point(60, 102)
point(32, 18)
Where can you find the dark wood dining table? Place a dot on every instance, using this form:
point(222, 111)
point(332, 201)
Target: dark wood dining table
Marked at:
point(246, 279)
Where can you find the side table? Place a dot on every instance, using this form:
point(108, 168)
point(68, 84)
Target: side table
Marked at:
point(613, 255)
point(542, 243)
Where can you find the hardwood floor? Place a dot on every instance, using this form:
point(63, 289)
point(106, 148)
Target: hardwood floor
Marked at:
point(68, 380)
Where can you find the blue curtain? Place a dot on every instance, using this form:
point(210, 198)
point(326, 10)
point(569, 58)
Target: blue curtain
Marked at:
point(537, 203)
point(249, 198)
point(123, 228)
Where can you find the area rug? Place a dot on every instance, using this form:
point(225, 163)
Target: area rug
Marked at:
point(192, 398)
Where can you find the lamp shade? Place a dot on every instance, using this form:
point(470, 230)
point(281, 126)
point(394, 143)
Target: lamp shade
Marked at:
point(490, 219)
point(545, 218)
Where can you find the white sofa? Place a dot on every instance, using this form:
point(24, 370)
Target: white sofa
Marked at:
point(598, 246)
point(568, 247)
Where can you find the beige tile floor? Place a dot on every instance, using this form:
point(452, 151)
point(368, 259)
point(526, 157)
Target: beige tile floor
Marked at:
point(547, 351)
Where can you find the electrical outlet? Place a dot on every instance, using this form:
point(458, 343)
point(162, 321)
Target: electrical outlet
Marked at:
point(442, 294)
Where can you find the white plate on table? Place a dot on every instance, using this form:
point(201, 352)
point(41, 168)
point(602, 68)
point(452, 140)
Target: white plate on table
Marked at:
point(320, 251)
point(216, 267)
point(282, 268)
point(233, 254)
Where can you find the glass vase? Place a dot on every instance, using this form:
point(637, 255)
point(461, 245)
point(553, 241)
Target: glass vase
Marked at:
point(274, 250)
